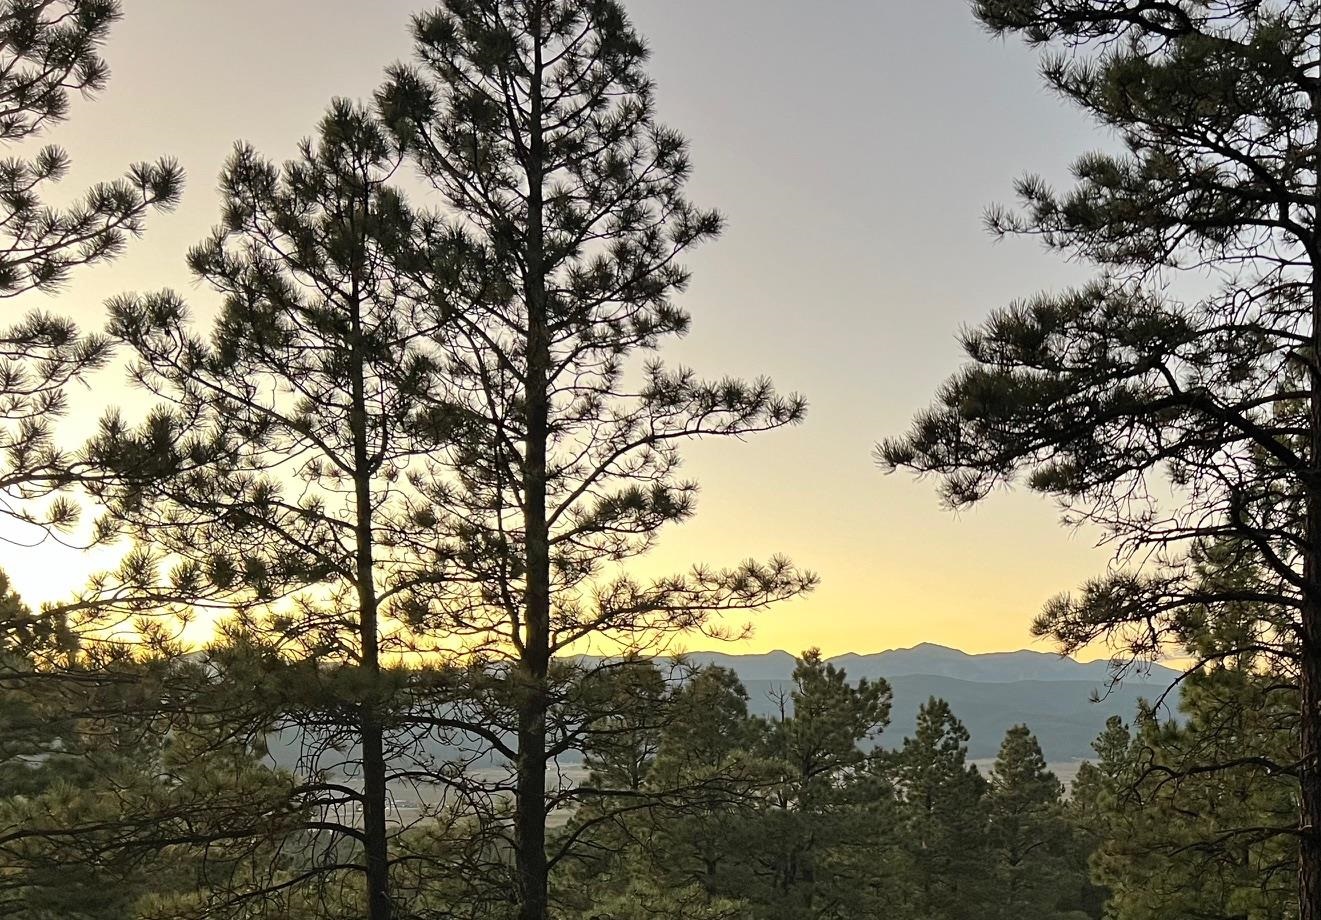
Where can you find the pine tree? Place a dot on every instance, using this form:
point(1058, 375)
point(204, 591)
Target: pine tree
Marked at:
point(710, 726)
point(1098, 793)
point(1184, 816)
point(944, 812)
point(1187, 428)
point(48, 50)
point(671, 842)
point(745, 816)
point(817, 843)
point(629, 702)
point(709, 746)
point(119, 793)
point(1034, 868)
point(277, 475)
point(535, 122)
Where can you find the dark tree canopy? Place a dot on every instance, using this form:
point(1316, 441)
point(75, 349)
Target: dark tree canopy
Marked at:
point(1175, 402)
point(280, 475)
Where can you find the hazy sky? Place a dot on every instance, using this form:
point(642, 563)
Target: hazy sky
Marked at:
point(852, 144)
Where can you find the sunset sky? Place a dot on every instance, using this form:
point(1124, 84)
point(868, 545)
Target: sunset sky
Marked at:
point(852, 145)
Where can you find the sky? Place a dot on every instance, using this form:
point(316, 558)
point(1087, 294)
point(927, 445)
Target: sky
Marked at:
point(852, 145)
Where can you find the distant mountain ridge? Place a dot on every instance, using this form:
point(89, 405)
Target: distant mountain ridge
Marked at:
point(939, 661)
point(1065, 702)
point(990, 693)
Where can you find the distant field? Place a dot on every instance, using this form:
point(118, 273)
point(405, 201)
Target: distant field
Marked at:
point(1067, 771)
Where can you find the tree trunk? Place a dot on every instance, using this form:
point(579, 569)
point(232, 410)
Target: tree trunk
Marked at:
point(1309, 868)
point(374, 798)
point(374, 788)
point(530, 804)
point(530, 817)
point(1309, 857)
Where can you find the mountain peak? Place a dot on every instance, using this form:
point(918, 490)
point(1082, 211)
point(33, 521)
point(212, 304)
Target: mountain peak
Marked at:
point(932, 648)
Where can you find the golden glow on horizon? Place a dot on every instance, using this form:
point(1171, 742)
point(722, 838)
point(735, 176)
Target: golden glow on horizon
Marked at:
point(919, 596)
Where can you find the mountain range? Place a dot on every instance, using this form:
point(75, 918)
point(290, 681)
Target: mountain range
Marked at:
point(1064, 701)
point(938, 661)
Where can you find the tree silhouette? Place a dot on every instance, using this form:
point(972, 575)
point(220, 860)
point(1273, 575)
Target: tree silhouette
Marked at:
point(1188, 430)
point(274, 477)
point(534, 120)
point(48, 50)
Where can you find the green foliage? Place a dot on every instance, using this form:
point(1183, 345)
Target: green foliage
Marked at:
point(308, 384)
point(535, 123)
point(1187, 816)
point(123, 792)
point(410, 432)
point(49, 50)
point(1038, 864)
point(573, 212)
point(1102, 395)
point(1184, 422)
point(818, 833)
point(792, 818)
point(944, 812)
point(673, 831)
point(628, 701)
point(280, 476)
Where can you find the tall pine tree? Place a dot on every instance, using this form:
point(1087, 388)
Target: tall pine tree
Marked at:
point(275, 476)
point(1190, 817)
point(1035, 869)
point(944, 814)
point(535, 121)
point(1187, 428)
point(817, 837)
